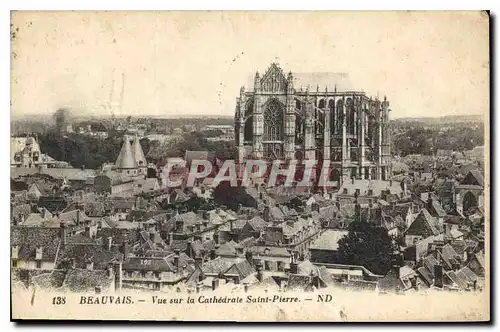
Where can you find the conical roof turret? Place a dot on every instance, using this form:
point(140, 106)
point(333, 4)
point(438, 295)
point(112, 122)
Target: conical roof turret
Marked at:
point(126, 157)
point(138, 153)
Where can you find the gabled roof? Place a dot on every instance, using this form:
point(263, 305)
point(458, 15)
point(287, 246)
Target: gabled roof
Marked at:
point(257, 223)
point(474, 177)
point(426, 220)
point(126, 157)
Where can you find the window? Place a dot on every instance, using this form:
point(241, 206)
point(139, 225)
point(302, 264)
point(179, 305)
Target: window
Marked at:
point(39, 264)
point(273, 122)
point(357, 192)
point(14, 263)
point(344, 191)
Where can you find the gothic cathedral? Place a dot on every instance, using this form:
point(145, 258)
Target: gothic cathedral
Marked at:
point(279, 120)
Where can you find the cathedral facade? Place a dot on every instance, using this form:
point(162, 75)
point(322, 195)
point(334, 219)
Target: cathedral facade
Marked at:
point(315, 116)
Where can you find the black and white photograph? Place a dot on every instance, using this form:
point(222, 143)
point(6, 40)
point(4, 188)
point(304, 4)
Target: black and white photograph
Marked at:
point(250, 166)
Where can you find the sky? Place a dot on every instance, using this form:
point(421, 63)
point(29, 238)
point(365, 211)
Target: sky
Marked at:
point(194, 63)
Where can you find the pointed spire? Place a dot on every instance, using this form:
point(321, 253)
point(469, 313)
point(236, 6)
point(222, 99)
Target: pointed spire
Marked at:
point(125, 158)
point(138, 153)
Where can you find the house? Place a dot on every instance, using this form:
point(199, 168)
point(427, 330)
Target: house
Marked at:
point(422, 227)
point(325, 248)
point(369, 188)
point(230, 269)
point(35, 247)
point(156, 273)
point(274, 258)
point(306, 276)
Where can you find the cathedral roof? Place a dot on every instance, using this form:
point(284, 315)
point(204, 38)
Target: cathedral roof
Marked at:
point(126, 157)
point(137, 151)
point(323, 79)
point(328, 80)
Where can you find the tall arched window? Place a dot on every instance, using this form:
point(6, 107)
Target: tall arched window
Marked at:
point(350, 115)
point(273, 122)
point(340, 115)
point(331, 106)
point(299, 130)
point(248, 133)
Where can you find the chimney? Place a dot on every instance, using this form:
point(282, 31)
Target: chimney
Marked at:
point(352, 180)
point(198, 287)
point(216, 237)
point(413, 281)
point(90, 265)
point(315, 207)
point(63, 233)
point(109, 243)
point(438, 275)
point(170, 238)
point(78, 216)
point(213, 254)
point(109, 270)
point(245, 287)
point(249, 257)
point(240, 206)
point(126, 250)
point(215, 283)
point(198, 261)
point(390, 183)
point(118, 276)
point(43, 213)
point(73, 263)
point(179, 226)
point(87, 231)
point(97, 290)
point(177, 261)
point(267, 214)
point(260, 271)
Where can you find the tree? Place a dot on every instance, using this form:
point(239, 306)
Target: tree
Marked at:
point(366, 245)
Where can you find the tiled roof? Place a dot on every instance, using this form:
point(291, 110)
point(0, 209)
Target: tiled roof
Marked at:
point(257, 223)
point(227, 249)
point(81, 280)
point(84, 254)
point(28, 239)
point(218, 265)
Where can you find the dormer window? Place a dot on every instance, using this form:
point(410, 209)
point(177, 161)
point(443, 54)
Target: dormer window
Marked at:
point(39, 253)
point(15, 252)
